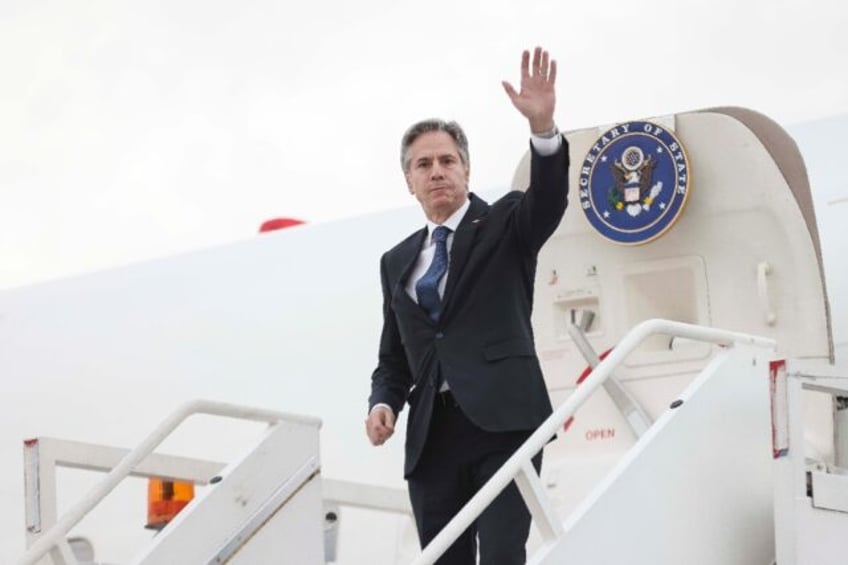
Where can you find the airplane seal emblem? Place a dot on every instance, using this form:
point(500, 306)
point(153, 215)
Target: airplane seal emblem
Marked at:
point(634, 182)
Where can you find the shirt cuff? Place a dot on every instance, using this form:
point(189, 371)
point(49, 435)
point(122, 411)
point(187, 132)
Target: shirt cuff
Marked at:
point(381, 404)
point(546, 146)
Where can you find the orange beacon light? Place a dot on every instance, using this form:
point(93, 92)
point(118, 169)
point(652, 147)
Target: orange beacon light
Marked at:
point(165, 499)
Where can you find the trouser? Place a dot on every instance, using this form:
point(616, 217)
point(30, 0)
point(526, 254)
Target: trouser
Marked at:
point(457, 460)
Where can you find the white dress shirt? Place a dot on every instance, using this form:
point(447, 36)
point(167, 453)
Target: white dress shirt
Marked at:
point(428, 249)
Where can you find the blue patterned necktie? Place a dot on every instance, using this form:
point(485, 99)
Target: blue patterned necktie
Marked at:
point(427, 287)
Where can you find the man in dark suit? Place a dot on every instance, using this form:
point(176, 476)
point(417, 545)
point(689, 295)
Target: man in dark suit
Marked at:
point(457, 343)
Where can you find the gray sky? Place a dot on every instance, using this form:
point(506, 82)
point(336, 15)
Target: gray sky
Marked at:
point(136, 130)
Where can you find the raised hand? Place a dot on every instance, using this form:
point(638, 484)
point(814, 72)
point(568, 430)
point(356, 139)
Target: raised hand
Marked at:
point(536, 99)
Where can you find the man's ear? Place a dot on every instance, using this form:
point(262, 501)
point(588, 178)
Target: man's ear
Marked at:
point(408, 183)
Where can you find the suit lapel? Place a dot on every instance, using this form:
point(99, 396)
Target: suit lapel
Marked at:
point(407, 257)
point(463, 242)
point(409, 254)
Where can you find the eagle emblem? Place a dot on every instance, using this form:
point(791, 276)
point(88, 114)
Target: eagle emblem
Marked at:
point(633, 174)
point(634, 182)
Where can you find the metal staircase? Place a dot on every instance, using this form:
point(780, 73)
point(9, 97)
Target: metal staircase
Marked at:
point(810, 493)
point(710, 481)
point(267, 501)
point(693, 489)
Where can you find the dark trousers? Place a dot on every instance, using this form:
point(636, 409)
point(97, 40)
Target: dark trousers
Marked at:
point(457, 460)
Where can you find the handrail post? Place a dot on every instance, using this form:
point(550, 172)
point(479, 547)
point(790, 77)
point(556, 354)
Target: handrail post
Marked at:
point(635, 416)
point(538, 502)
point(62, 554)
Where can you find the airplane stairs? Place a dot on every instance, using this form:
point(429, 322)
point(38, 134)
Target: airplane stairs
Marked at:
point(251, 512)
point(269, 505)
point(696, 488)
point(269, 499)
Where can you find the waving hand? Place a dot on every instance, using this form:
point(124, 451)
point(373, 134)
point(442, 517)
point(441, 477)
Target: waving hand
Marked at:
point(536, 99)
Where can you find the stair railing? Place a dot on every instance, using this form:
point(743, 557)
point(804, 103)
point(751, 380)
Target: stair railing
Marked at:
point(53, 540)
point(519, 468)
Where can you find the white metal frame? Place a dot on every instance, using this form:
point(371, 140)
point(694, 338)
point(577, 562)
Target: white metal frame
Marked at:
point(635, 416)
point(41, 488)
point(519, 468)
point(44, 454)
point(811, 496)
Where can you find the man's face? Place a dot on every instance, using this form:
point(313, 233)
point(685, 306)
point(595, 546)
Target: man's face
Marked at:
point(436, 175)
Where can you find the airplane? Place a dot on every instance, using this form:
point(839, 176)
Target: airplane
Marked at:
point(738, 236)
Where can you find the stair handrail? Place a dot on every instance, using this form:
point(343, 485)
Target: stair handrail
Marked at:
point(519, 463)
point(56, 534)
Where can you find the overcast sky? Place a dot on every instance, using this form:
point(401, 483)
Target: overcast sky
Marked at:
point(132, 130)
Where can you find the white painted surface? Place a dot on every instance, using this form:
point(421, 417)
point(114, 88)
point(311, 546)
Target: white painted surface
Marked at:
point(255, 489)
point(696, 489)
point(807, 533)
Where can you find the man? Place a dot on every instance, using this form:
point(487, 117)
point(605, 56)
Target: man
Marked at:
point(457, 343)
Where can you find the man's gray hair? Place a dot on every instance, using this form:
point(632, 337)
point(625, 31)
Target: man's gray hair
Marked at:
point(434, 124)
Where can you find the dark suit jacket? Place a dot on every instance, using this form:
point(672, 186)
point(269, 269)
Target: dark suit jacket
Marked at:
point(483, 341)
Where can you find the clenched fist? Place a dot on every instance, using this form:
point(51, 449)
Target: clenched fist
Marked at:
point(380, 424)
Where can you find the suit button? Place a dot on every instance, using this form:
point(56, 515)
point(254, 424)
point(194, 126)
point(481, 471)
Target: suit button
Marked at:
point(440, 335)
